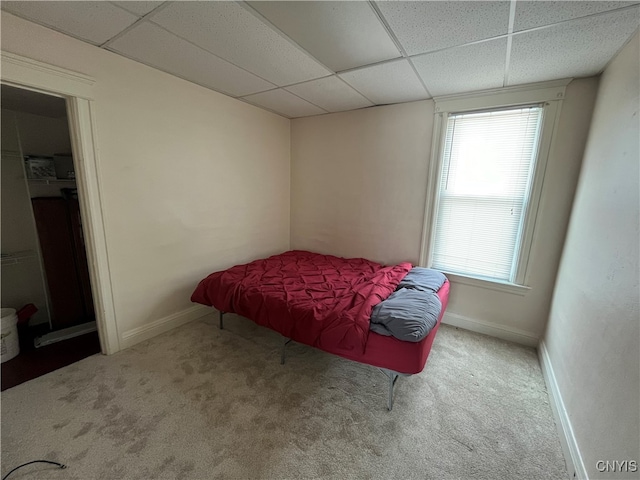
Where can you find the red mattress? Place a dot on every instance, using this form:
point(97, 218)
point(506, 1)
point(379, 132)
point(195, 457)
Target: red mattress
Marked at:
point(319, 300)
point(322, 301)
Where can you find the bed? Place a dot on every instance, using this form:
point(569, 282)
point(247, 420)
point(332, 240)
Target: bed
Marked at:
point(329, 303)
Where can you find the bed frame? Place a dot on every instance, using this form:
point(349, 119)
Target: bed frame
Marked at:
point(357, 284)
point(391, 375)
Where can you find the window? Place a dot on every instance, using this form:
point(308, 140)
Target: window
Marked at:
point(486, 185)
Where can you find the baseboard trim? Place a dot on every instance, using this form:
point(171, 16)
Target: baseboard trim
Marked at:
point(572, 456)
point(499, 331)
point(140, 334)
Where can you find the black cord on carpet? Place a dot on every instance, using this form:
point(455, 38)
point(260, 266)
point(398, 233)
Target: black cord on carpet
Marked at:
point(34, 461)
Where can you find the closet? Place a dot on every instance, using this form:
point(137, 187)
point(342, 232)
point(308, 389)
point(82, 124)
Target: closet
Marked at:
point(44, 271)
point(41, 219)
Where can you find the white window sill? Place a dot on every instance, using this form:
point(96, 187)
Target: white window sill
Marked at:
point(505, 287)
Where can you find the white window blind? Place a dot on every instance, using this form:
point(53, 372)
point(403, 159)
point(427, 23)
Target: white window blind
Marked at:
point(487, 167)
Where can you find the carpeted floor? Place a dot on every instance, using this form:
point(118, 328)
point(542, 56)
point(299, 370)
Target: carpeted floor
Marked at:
point(199, 403)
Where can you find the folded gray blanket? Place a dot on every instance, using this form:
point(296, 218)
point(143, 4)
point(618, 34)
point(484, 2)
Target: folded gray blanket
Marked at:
point(412, 311)
point(420, 278)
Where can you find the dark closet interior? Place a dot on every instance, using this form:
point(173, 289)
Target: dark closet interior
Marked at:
point(45, 273)
point(59, 227)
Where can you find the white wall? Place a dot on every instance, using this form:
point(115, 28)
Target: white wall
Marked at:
point(594, 324)
point(359, 186)
point(357, 181)
point(191, 180)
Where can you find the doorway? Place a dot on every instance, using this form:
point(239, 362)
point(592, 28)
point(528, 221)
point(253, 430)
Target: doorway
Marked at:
point(45, 273)
point(78, 91)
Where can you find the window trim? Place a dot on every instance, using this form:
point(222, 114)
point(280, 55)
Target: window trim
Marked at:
point(548, 94)
point(486, 283)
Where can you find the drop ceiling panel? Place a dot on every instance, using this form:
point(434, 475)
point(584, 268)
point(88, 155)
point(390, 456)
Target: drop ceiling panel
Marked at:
point(139, 8)
point(576, 49)
point(342, 35)
point(427, 26)
point(479, 66)
point(531, 14)
point(235, 34)
point(94, 22)
point(154, 46)
point(285, 103)
point(391, 82)
point(330, 93)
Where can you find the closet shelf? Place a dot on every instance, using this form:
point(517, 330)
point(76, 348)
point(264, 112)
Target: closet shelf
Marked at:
point(44, 181)
point(18, 257)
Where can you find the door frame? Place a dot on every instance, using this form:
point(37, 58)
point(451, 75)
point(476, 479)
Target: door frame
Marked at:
point(77, 89)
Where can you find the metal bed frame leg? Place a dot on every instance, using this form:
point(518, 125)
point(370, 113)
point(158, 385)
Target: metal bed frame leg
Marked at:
point(284, 346)
point(393, 378)
point(390, 374)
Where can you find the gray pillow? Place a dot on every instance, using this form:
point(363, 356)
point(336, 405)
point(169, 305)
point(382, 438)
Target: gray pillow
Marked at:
point(420, 278)
point(407, 314)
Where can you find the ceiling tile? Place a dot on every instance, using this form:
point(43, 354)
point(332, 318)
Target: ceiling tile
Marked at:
point(342, 35)
point(154, 46)
point(469, 68)
point(284, 103)
point(235, 34)
point(139, 8)
point(330, 93)
point(95, 22)
point(576, 49)
point(427, 26)
point(531, 14)
point(391, 82)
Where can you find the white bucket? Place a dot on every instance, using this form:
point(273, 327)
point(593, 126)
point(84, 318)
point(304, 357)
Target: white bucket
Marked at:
point(10, 345)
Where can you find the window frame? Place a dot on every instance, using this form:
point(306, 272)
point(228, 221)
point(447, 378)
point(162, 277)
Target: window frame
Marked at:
point(547, 94)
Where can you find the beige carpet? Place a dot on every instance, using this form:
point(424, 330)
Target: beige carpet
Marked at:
point(200, 403)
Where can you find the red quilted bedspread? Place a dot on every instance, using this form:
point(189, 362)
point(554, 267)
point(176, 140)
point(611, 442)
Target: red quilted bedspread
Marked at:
point(319, 300)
